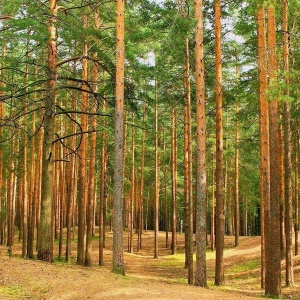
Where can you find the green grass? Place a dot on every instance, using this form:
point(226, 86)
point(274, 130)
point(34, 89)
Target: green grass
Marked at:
point(245, 266)
point(13, 292)
point(177, 260)
point(62, 261)
point(174, 261)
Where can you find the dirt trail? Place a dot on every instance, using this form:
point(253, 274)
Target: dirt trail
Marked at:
point(146, 278)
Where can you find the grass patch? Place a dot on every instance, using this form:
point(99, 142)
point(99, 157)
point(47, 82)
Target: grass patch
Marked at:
point(178, 260)
point(13, 292)
point(118, 270)
point(181, 281)
point(245, 266)
point(62, 261)
point(171, 261)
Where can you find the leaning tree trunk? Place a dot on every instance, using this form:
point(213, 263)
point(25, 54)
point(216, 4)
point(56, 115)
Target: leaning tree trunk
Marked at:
point(118, 260)
point(220, 226)
point(45, 242)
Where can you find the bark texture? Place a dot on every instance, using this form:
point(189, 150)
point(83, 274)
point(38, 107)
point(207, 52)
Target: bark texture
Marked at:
point(263, 133)
point(220, 215)
point(45, 241)
point(118, 259)
point(289, 277)
point(201, 203)
point(272, 214)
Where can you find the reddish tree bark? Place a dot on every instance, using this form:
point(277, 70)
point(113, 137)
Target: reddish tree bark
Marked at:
point(272, 215)
point(45, 241)
point(289, 277)
point(263, 132)
point(118, 260)
point(220, 216)
point(201, 186)
point(174, 179)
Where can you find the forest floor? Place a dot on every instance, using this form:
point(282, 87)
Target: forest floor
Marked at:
point(146, 278)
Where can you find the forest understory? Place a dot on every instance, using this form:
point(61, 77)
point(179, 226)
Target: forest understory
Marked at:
point(146, 278)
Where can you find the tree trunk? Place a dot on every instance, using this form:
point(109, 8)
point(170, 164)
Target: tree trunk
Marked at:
point(91, 189)
point(156, 199)
point(11, 193)
point(296, 205)
point(287, 155)
point(92, 171)
point(132, 193)
point(165, 202)
point(212, 206)
point(236, 171)
point(281, 191)
point(62, 196)
point(188, 169)
point(2, 115)
point(82, 155)
point(174, 179)
point(38, 186)
point(201, 190)
point(25, 196)
point(263, 133)
point(219, 272)
point(71, 184)
point(45, 245)
point(272, 214)
point(34, 171)
point(118, 260)
point(102, 206)
point(231, 209)
point(141, 198)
